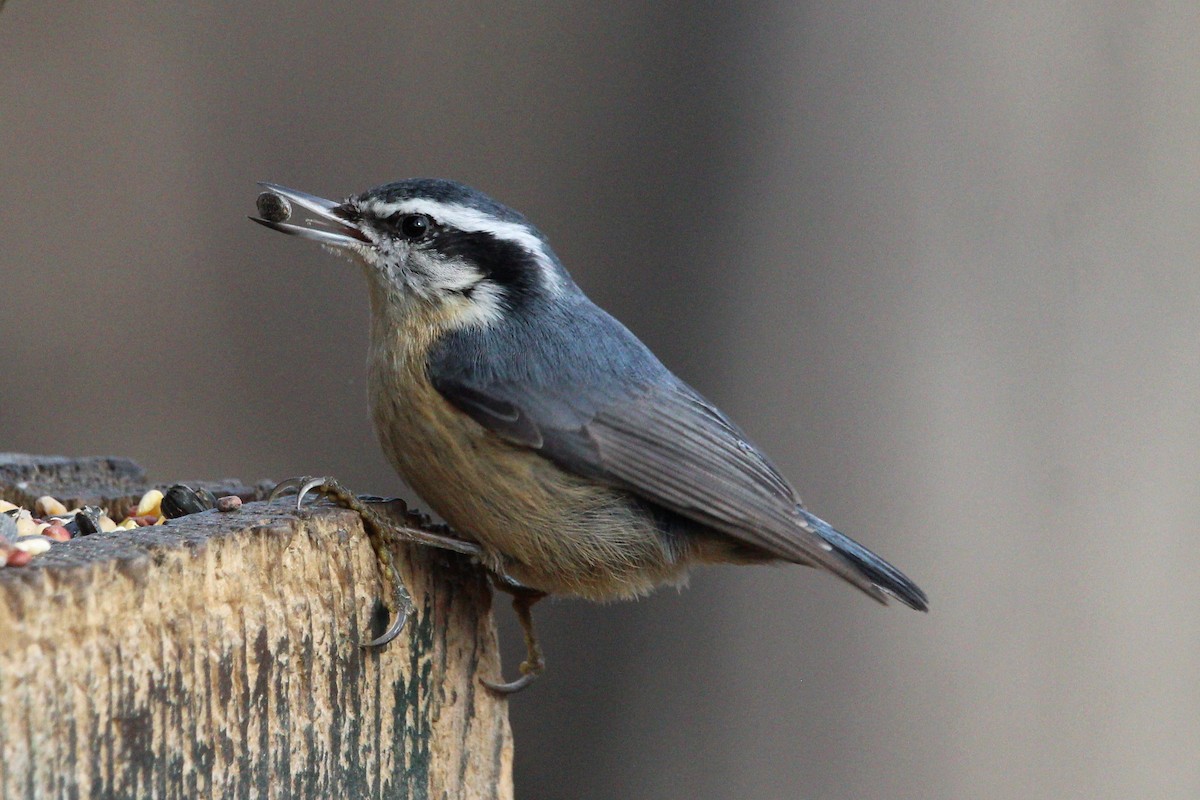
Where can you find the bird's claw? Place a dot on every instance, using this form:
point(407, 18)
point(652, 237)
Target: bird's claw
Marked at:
point(534, 663)
point(404, 609)
point(512, 687)
point(392, 632)
point(302, 486)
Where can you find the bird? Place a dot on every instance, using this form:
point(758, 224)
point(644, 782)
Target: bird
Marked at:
point(566, 456)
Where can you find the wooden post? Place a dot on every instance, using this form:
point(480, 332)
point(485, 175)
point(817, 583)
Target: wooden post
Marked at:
point(218, 656)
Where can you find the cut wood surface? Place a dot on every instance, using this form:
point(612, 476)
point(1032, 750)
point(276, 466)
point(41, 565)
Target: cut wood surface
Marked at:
point(219, 656)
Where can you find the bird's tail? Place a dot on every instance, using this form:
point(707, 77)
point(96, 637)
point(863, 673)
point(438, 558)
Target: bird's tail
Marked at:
point(878, 571)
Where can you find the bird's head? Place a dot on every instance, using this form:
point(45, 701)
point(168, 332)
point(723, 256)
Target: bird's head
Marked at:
point(433, 243)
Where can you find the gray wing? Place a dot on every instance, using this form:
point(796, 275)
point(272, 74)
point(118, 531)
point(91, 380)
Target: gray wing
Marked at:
point(595, 401)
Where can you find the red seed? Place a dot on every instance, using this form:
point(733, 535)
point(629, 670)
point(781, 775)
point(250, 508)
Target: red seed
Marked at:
point(144, 520)
point(19, 558)
point(58, 533)
point(229, 503)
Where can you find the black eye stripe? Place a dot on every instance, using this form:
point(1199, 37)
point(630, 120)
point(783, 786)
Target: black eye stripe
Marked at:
point(503, 262)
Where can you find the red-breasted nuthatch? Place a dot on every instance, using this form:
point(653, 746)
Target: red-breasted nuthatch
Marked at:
point(539, 426)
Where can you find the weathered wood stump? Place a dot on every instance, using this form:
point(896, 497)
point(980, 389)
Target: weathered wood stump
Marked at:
point(219, 656)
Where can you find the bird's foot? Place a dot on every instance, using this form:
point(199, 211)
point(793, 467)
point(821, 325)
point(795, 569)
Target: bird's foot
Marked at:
point(380, 531)
point(534, 663)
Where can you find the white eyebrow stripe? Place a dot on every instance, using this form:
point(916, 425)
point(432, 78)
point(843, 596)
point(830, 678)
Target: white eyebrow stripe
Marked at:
point(471, 220)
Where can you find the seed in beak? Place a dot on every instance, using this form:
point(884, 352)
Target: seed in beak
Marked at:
point(273, 207)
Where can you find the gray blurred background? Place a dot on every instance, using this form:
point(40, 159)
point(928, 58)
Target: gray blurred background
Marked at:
point(939, 259)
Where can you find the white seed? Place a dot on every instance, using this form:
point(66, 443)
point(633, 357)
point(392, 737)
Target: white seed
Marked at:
point(35, 545)
point(6, 506)
point(151, 503)
point(106, 524)
point(47, 506)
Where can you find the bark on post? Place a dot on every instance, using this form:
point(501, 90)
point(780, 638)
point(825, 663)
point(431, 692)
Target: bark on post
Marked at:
point(218, 656)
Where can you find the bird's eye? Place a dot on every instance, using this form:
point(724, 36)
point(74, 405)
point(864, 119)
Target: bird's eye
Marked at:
point(413, 226)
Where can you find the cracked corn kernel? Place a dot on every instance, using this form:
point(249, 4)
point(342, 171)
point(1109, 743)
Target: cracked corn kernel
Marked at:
point(150, 504)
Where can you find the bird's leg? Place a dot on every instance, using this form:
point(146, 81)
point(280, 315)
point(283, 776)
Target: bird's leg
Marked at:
point(378, 527)
point(535, 663)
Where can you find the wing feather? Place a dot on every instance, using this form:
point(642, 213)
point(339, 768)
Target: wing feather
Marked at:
point(671, 447)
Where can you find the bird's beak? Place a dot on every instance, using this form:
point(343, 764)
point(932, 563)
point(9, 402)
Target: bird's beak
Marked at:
point(340, 232)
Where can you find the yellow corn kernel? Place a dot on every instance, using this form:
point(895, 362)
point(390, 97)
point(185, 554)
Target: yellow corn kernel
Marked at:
point(151, 503)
